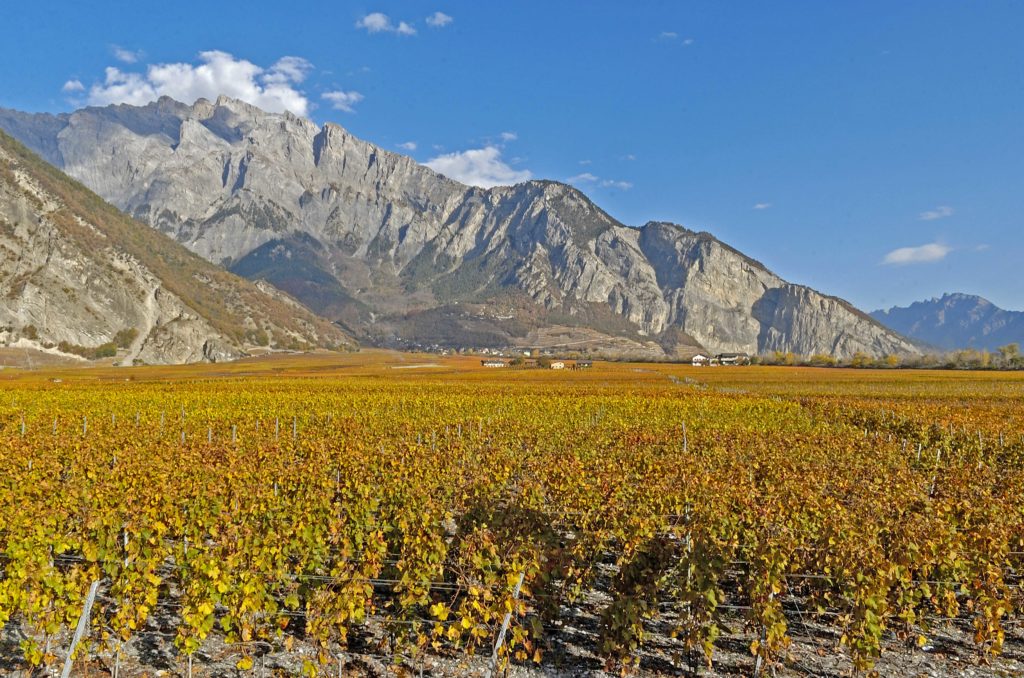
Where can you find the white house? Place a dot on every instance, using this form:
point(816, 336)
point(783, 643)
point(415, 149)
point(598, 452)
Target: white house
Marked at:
point(700, 360)
point(558, 365)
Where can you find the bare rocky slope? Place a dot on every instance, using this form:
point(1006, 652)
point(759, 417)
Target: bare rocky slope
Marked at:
point(400, 254)
point(80, 277)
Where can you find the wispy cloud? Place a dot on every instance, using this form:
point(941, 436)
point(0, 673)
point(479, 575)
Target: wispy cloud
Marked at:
point(940, 212)
point(343, 101)
point(922, 254)
point(72, 86)
point(762, 205)
point(509, 136)
point(672, 36)
point(274, 88)
point(593, 179)
point(585, 162)
point(126, 56)
point(378, 22)
point(439, 20)
point(408, 146)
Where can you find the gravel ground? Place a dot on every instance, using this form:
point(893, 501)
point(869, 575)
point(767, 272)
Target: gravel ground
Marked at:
point(815, 651)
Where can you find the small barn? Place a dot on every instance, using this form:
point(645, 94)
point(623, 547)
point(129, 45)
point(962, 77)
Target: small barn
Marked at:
point(557, 365)
point(583, 364)
point(733, 359)
point(700, 360)
point(494, 363)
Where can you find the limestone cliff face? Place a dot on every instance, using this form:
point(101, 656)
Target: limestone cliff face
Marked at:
point(69, 276)
point(383, 244)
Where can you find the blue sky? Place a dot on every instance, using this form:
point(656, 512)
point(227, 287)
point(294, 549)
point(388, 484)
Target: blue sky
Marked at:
point(872, 150)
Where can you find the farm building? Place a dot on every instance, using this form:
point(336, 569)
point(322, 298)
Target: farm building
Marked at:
point(733, 359)
point(700, 360)
point(557, 365)
point(583, 365)
point(494, 363)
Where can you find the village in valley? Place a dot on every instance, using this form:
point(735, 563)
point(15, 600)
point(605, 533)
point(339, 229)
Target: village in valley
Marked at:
point(545, 361)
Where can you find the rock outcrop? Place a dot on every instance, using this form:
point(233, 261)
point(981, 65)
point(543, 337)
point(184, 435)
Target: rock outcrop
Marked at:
point(400, 254)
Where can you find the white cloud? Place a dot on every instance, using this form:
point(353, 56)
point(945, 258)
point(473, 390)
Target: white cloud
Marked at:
point(940, 212)
point(509, 136)
point(126, 55)
point(917, 255)
point(590, 178)
point(688, 41)
point(478, 167)
point(288, 69)
point(629, 156)
point(343, 101)
point(585, 162)
point(668, 35)
point(439, 20)
point(218, 73)
point(378, 22)
point(408, 146)
point(73, 85)
point(762, 205)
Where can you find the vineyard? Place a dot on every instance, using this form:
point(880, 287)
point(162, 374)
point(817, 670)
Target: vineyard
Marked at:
point(324, 516)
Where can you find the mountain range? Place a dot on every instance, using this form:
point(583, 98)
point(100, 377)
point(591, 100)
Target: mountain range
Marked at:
point(80, 277)
point(956, 321)
point(400, 255)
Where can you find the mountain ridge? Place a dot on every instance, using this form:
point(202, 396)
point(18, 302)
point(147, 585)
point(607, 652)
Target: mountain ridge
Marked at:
point(955, 321)
point(79, 274)
point(383, 244)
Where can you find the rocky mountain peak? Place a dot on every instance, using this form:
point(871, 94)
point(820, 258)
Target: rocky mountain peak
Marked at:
point(956, 320)
point(403, 255)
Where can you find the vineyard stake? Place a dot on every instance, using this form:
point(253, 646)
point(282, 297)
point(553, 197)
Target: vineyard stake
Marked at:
point(504, 628)
point(686, 442)
point(83, 623)
point(85, 425)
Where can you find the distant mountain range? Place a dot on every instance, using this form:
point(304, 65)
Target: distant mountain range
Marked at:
point(402, 256)
point(80, 277)
point(956, 321)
